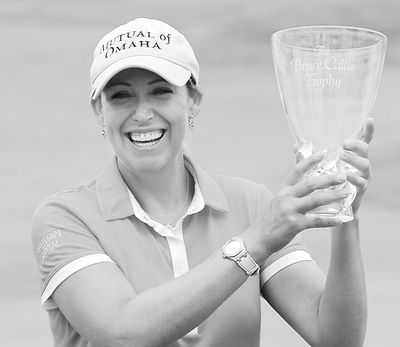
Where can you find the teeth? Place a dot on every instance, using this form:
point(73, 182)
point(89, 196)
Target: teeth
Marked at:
point(145, 144)
point(146, 137)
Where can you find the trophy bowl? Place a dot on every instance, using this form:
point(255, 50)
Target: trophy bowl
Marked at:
point(328, 78)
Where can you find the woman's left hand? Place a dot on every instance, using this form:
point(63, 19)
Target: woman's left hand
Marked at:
point(355, 153)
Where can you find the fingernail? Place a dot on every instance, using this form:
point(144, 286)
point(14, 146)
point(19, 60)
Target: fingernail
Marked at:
point(347, 154)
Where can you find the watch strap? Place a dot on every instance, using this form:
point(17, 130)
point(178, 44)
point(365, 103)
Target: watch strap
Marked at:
point(243, 259)
point(247, 263)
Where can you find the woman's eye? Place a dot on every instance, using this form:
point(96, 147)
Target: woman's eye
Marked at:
point(120, 95)
point(161, 91)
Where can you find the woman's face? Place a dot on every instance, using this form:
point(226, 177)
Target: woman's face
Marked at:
point(146, 119)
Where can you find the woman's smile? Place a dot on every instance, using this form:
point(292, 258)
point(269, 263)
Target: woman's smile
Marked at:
point(146, 138)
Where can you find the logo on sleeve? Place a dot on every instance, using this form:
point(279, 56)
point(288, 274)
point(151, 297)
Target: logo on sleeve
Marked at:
point(48, 244)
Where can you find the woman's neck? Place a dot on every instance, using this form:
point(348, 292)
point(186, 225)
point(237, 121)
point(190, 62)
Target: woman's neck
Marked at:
point(161, 194)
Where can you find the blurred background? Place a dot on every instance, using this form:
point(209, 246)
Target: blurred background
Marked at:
point(51, 141)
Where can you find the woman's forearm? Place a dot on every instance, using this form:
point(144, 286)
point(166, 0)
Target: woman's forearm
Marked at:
point(178, 306)
point(343, 307)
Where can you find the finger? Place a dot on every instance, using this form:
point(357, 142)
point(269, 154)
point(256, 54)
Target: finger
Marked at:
point(358, 146)
point(360, 163)
point(302, 167)
point(296, 147)
point(317, 221)
point(367, 131)
point(359, 182)
point(299, 154)
point(320, 198)
point(303, 149)
point(312, 183)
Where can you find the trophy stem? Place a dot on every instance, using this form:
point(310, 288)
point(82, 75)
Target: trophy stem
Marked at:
point(331, 165)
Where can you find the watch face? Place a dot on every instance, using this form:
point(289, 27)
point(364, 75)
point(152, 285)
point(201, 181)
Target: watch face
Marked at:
point(232, 248)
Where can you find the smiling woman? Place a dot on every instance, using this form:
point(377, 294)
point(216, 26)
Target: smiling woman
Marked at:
point(146, 118)
point(155, 251)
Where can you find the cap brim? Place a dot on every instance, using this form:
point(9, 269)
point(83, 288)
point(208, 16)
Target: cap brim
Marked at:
point(171, 72)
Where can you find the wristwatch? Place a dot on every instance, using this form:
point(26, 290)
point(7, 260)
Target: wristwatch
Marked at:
point(235, 250)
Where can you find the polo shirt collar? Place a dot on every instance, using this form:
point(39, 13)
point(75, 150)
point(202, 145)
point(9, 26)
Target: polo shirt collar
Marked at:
point(212, 193)
point(112, 194)
point(115, 203)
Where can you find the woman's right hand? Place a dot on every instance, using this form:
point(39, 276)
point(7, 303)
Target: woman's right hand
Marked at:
point(287, 214)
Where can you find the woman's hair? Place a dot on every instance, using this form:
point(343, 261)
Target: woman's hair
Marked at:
point(192, 88)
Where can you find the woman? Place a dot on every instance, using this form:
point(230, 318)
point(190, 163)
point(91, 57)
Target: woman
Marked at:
point(155, 251)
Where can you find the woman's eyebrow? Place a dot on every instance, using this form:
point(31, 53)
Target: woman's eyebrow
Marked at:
point(118, 84)
point(159, 79)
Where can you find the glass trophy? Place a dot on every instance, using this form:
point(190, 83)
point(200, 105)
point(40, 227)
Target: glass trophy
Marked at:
point(328, 77)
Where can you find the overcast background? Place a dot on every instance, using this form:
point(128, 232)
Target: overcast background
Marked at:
point(50, 140)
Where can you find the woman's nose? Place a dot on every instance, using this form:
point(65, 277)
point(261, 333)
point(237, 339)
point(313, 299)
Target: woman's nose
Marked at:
point(143, 113)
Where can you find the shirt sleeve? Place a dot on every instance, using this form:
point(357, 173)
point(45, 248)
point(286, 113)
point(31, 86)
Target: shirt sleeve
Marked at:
point(295, 251)
point(62, 245)
point(292, 253)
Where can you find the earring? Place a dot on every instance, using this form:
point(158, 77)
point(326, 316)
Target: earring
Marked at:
point(104, 131)
point(191, 122)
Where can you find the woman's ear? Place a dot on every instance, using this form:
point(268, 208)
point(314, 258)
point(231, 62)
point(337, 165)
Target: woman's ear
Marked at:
point(196, 102)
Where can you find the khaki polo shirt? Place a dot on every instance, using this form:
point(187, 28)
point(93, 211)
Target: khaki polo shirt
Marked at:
point(101, 221)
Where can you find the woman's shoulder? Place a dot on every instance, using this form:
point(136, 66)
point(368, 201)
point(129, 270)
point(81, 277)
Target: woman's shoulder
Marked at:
point(243, 196)
point(232, 186)
point(237, 183)
point(75, 198)
point(235, 187)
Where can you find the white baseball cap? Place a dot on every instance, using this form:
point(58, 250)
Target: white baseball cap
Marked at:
point(143, 43)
